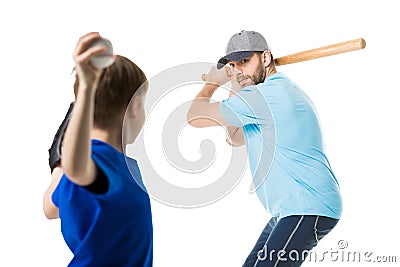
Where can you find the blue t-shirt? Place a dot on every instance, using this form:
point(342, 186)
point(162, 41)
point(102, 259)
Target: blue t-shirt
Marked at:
point(110, 229)
point(291, 173)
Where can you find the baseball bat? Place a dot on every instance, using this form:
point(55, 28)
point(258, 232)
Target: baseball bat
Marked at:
point(320, 52)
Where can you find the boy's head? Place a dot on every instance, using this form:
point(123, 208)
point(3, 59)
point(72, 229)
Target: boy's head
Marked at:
point(117, 85)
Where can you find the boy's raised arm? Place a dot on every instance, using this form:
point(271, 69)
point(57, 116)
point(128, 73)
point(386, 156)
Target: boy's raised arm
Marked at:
point(76, 150)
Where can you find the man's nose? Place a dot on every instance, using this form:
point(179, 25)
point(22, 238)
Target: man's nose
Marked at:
point(237, 70)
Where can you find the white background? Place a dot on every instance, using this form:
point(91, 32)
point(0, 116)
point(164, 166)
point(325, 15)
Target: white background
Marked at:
point(356, 95)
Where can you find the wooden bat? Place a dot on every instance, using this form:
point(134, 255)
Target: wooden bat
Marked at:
point(324, 51)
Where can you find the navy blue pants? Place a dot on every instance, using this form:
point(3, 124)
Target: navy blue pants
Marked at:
point(287, 242)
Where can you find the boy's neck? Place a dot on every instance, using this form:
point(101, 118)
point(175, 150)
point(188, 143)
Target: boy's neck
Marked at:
point(111, 137)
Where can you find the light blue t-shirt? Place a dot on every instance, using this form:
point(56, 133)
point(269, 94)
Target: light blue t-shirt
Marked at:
point(291, 173)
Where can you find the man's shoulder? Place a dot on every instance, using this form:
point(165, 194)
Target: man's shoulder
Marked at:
point(276, 79)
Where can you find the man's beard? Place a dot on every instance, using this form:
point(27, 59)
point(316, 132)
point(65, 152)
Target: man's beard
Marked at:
point(258, 77)
point(260, 74)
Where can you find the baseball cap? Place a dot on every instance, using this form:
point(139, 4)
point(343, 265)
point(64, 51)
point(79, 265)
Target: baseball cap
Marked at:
point(242, 45)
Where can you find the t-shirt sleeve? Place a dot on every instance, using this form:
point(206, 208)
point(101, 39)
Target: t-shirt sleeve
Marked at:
point(56, 194)
point(64, 187)
point(249, 106)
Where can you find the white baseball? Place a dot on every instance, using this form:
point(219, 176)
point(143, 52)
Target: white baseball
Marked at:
point(105, 59)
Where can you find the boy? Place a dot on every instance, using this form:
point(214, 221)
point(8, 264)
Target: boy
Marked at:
point(105, 216)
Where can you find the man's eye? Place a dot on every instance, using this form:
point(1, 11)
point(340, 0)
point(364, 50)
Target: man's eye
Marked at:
point(231, 65)
point(243, 61)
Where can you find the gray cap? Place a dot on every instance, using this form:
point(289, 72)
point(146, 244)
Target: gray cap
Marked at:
point(242, 45)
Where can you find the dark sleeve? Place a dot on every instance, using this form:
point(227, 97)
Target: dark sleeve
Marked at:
point(55, 149)
point(100, 184)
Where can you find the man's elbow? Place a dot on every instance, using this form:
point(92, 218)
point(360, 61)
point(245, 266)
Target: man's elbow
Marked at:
point(234, 143)
point(193, 120)
point(196, 123)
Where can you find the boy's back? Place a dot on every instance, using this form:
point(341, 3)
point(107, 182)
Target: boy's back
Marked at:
point(110, 229)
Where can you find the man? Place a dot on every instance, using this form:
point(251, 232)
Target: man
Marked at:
point(105, 216)
point(279, 125)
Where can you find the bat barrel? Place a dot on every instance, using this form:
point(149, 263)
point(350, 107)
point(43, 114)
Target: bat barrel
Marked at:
point(325, 51)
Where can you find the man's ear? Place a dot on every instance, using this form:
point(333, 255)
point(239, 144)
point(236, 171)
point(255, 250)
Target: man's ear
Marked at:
point(266, 57)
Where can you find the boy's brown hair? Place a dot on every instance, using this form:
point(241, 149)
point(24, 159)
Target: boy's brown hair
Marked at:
point(117, 85)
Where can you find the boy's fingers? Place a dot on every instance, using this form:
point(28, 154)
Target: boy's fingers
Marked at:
point(84, 41)
point(87, 54)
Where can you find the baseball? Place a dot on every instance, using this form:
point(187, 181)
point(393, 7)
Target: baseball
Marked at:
point(105, 59)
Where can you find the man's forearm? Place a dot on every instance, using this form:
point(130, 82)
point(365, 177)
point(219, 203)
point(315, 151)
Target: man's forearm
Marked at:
point(207, 91)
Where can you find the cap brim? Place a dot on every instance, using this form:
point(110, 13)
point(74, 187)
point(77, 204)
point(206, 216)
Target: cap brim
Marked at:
point(235, 56)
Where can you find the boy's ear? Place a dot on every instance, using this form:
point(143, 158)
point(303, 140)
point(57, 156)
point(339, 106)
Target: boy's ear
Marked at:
point(133, 106)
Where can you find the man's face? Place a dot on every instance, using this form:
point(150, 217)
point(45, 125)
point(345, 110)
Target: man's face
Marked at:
point(250, 71)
